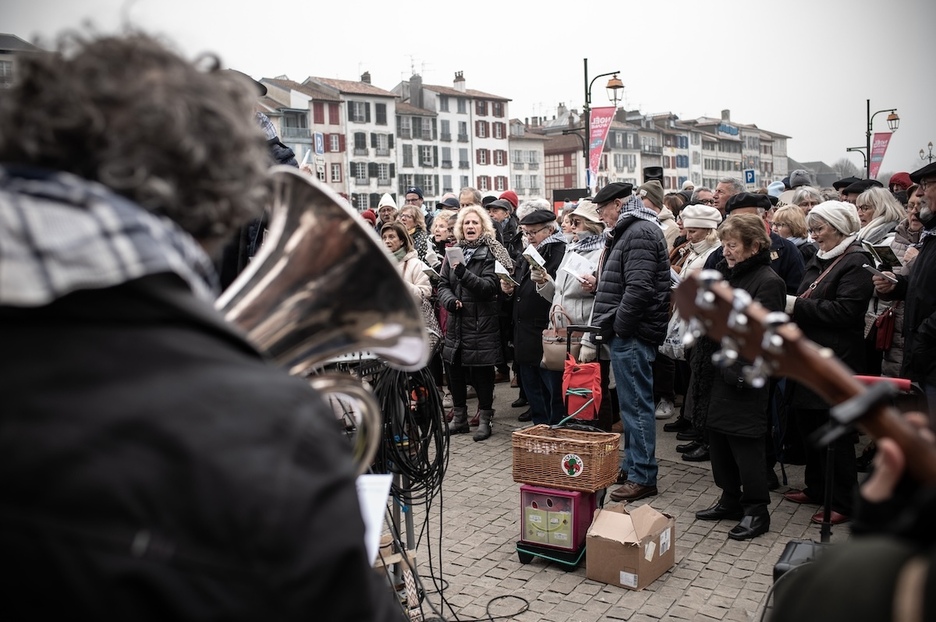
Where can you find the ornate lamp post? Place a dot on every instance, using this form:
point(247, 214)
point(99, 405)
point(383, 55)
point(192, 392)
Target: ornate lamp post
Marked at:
point(893, 122)
point(615, 90)
point(928, 157)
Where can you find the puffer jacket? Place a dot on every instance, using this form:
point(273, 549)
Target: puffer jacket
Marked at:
point(475, 328)
point(634, 283)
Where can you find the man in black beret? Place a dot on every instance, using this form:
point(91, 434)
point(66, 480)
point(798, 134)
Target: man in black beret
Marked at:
point(850, 192)
point(845, 182)
point(632, 297)
point(749, 200)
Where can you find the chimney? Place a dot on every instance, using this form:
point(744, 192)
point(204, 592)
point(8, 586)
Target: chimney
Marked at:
point(365, 77)
point(416, 91)
point(726, 115)
point(459, 83)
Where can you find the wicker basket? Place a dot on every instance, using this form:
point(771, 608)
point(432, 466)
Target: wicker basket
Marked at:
point(566, 459)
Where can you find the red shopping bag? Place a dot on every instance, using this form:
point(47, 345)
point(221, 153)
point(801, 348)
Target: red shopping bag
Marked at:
point(581, 385)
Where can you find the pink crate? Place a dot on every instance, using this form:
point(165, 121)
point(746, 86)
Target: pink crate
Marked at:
point(555, 518)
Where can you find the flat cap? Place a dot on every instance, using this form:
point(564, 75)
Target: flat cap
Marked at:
point(845, 182)
point(747, 199)
point(503, 204)
point(615, 190)
point(861, 185)
point(927, 171)
point(538, 217)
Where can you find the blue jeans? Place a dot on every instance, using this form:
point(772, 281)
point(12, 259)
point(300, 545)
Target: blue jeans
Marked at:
point(543, 390)
point(632, 364)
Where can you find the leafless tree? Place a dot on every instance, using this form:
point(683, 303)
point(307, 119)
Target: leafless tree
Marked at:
point(846, 168)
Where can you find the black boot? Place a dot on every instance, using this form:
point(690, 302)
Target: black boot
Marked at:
point(484, 425)
point(699, 454)
point(459, 422)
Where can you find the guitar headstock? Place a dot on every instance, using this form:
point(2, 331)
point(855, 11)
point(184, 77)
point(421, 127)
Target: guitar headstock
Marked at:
point(772, 344)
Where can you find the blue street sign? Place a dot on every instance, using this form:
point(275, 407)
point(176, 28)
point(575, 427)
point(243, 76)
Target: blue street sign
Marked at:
point(749, 177)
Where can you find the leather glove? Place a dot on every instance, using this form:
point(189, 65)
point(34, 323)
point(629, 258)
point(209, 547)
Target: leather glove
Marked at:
point(588, 353)
point(460, 270)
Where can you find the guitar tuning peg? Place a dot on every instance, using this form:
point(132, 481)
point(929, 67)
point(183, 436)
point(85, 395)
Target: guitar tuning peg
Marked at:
point(738, 319)
point(708, 277)
point(773, 340)
point(727, 355)
point(694, 331)
point(757, 373)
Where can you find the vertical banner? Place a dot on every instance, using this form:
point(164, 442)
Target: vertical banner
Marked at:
point(598, 126)
point(879, 143)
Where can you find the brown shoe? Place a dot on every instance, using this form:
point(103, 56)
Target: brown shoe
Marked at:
point(513, 381)
point(632, 491)
point(500, 377)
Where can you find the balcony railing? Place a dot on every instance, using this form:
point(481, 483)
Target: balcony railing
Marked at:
point(446, 164)
point(406, 133)
point(361, 181)
point(360, 151)
point(446, 136)
point(463, 138)
point(383, 151)
point(652, 149)
point(533, 166)
point(297, 132)
point(464, 164)
point(384, 182)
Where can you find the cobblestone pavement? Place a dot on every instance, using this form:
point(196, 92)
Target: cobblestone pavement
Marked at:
point(474, 544)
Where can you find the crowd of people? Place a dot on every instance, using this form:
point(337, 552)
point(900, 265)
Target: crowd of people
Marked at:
point(149, 468)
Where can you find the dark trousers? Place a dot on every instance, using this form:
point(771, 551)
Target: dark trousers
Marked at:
point(664, 378)
point(543, 389)
point(608, 412)
point(481, 378)
point(844, 462)
point(738, 469)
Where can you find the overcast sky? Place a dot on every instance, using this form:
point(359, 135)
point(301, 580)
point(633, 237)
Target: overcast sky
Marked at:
point(803, 68)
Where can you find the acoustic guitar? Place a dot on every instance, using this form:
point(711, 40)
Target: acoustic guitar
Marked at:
point(775, 346)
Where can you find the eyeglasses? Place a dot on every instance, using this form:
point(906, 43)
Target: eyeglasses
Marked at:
point(777, 225)
point(575, 222)
point(407, 216)
point(530, 234)
point(707, 201)
point(807, 204)
point(926, 182)
point(864, 208)
point(816, 231)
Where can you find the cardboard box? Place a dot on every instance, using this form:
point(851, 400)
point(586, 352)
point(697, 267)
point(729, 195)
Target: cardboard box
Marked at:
point(629, 548)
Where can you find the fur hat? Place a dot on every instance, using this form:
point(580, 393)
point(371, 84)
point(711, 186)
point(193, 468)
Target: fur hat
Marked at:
point(798, 178)
point(700, 217)
point(652, 190)
point(839, 214)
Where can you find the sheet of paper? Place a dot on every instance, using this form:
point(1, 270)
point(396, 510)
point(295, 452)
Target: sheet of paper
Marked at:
point(536, 260)
point(577, 265)
point(373, 491)
point(501, 272)
point(455, 255)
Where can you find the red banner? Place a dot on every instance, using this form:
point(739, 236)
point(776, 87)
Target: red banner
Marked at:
point(879, 143)
point(599, 124)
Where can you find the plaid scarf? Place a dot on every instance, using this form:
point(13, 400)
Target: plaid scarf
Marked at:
point(62, 234)
point(555, 238)
point(588, 244)
point(634, 208)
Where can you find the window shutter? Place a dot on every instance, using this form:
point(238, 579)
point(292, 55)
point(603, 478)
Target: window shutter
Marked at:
point(350, 110)
point(373, 140)
point(367, 111)
point(372, 169)
point(478, 156)
point(341, 143)
point(373, 200)
point(392, 170)
point(435, 155)
point(390, 137)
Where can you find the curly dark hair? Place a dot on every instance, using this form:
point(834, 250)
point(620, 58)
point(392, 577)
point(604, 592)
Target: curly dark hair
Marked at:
point(176, 137)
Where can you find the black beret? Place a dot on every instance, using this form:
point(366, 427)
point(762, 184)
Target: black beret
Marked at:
point(861, 185)
point(503, 204)
point(538, 217)
point(487, 200)
point(615, 190)
point(451, 202)
point(747, 199)
point(845, 182)
point(926, 171)
point(774, 201)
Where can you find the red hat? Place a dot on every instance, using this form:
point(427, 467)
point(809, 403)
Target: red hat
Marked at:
point(900, 179)
point(511, 196)
point(369, 216)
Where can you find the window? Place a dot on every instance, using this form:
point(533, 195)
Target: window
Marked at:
point(380, 114)
point(462, 131)
point(443, 103)
point(383, 174)
point(500, 183)
point(518, 182)
point(463, 161)
point(484, 183)
point(336, 173)
point(359, 112)
point(426, 125)
point(446, 157)
point(296, 125)
point(483, 157)
point(481, 108)
point(334, 143)
point(425, 155)
point(408, 156)
point(517, 157)
point(499, 129)
point(446, 130)
point(462, 107)
point(359, 201)
point(405, 127)
point(497, 109)
point(6, 72)
point(500, 157)
point(318, 113)
point(481, 130)
point(463, 181)
point(447, 184)
point(359, 170)
point(382, 144)
point(334, 114)
point(360, 143)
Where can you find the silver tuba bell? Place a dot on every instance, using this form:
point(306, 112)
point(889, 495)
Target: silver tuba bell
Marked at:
point(322, 285)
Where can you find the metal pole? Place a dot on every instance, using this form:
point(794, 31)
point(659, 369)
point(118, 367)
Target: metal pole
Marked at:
point(868, 144)
point(587, 118)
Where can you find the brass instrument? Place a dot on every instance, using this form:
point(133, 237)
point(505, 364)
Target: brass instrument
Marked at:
point(321, 285)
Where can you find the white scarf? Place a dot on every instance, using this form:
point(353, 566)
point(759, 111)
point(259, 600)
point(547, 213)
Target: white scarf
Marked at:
point(839, 248)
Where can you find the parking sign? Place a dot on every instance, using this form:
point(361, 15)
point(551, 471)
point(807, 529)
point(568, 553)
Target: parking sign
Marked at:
point(749, 177)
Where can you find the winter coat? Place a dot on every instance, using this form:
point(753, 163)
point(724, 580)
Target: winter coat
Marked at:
point(919, 357)
point(566, 290)
point(530, 310)
point(632, 300)
point(414, 276)
point(893, 358)
point(473, 330)
point(785, 258)
point(833, 315)
point(670, 228)
point(734, 406)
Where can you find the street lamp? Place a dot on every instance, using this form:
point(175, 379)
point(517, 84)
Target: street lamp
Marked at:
point(893, 122)
point(614, 88)
point(928, 157)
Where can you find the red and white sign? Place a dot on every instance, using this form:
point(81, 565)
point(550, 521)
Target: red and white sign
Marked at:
point(598, 125)
point(879, 143)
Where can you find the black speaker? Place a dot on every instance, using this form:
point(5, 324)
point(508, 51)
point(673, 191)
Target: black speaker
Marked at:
point(796, 553)
point(653, 172)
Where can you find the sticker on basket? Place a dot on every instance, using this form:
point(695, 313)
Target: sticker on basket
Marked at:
point(572, 465)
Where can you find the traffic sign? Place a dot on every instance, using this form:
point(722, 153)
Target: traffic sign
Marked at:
point(749, 177)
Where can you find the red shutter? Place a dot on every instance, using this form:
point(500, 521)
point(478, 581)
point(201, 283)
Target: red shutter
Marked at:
point(341, 143)
point(478, 156)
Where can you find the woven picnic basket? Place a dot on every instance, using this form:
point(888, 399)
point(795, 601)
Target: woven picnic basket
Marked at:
point(565, 458)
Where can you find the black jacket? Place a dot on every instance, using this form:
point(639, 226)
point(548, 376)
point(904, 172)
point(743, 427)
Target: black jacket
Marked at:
point(735, 407)
point(154, 467)
point(919, 327)
point(475, 328)
point(633, 293)
point(786, 260)
point(530, 310)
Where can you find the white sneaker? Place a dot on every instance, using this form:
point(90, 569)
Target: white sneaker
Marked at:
point(665, 409)
point(447, 400)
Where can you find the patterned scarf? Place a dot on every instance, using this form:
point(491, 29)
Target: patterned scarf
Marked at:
point(555, 238)
point(500, 253)
point(587, 244)
point(634, 208)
